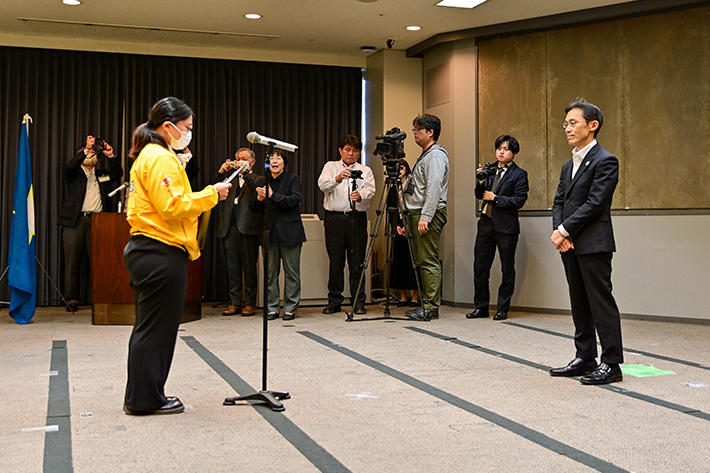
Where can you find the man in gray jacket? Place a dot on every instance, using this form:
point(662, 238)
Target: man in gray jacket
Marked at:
point(425, 197)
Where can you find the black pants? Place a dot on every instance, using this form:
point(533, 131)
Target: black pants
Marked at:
point(77, 244)
point(241, 252)
point(345, 240)
point(593, 306)
point(487, 240)
point(158, 276)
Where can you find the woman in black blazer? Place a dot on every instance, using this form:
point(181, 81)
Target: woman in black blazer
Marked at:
point(286, 234)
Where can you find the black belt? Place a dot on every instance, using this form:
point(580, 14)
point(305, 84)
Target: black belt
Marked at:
point(333, 212)
point(86, 214)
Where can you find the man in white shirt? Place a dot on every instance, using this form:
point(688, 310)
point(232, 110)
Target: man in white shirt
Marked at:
point(348, 187)
point(583, 233)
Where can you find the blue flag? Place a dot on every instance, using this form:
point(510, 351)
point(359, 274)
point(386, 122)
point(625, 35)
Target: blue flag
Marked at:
point(22, 276)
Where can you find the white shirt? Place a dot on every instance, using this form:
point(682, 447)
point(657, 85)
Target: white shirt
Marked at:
point(577, 158)
point(92, 198)
point(337, 195)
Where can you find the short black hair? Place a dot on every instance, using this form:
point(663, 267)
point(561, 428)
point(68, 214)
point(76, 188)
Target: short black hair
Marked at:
point(513, 144)
point(279, 152)
point(428, 122)
point(590, 112)
point(351, 140)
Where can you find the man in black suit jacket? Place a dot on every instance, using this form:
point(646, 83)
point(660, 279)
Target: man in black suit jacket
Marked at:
point(503, 194)
point(91, 174)
point(581, 219)
point(239, 228)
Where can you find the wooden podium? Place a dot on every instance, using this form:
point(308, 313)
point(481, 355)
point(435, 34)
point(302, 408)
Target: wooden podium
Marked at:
point(112, 296)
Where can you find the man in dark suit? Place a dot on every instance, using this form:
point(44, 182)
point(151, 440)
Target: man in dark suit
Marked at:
point(581, 218)
point(239, 227)
point(503, 194)
point(91, 174)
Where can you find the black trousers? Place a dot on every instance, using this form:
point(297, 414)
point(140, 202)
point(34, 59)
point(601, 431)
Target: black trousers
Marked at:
point(593, 306)
point(158, 276)
point(77, 244)
point(487, 240)
point(345, 239)
point(241, 252)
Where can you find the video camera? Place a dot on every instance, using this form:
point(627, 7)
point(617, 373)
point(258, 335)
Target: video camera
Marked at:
point(391, 150)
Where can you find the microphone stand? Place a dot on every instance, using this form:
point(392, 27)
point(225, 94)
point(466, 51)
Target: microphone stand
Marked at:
point(271, 398)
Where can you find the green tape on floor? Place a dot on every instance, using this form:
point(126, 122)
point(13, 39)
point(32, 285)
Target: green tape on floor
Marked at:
point(643, 371)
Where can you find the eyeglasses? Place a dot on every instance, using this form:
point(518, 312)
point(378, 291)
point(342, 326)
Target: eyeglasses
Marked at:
point(414, 130)
point(572, 123)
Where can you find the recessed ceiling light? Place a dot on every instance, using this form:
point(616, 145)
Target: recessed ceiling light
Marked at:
point(414, 28)
point(460, 3)
point(252, 16)
point(71, 2)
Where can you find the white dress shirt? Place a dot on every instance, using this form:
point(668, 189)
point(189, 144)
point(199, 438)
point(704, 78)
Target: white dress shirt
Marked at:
point(337, 195)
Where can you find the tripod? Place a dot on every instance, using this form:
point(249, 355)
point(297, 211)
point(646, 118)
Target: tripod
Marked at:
point(271, 398)
point(393, 182)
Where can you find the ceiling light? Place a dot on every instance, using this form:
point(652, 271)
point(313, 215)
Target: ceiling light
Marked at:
point(414, 28)
point(252, 16)
point(71, 2)
point(460, 3)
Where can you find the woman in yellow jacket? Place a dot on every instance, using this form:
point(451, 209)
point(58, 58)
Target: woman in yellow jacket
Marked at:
point(162, 211)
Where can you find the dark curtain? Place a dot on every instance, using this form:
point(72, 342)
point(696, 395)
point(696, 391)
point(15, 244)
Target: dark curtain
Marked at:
point(70, 94)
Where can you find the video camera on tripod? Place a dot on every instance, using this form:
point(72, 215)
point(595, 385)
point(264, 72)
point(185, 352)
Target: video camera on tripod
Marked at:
point(391, 150)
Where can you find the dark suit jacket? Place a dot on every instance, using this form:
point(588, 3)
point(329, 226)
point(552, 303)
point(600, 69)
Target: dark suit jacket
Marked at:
point(583, 204)
point(248, 222)
point(284, 209)
point(512, 193)
point(76, 188)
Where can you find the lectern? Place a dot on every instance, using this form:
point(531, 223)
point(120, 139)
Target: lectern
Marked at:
point(111, 295)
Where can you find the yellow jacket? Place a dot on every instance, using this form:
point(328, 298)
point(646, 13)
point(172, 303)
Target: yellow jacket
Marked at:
point(161, 204)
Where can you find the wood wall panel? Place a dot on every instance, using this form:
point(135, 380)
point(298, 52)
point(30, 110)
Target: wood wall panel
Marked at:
point(584, 62)
point(649, 75)
point(511, 100)
point(667, 97)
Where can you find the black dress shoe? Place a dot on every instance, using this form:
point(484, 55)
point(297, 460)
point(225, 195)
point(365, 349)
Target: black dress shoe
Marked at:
point(500, 316)
point(360, 309)
point(173, 406)
point(403, 304)
point(289, 316)
point(420, 313)
point(576, 367)
point(478, 314)
point(272, 316)
point(332, 309)
point(73, 307)
point(604, 374)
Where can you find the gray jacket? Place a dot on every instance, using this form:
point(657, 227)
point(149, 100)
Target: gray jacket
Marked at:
point(430, 179)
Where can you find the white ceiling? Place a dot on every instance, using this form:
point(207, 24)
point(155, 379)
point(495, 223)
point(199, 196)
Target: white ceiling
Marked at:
point(334, 27)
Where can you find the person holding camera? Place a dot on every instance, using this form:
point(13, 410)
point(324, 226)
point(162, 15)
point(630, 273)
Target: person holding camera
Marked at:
point(425, 193)
point(503, 189)
point(91, 174)
point(238, 228)
point(348, 187)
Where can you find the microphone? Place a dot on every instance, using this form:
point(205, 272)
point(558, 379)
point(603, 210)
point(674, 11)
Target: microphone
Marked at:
point(117, 189)
point(256, 138)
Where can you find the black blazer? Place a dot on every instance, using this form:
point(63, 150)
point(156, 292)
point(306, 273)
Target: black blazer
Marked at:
point(76, 186)
point(284, 209)
point(512, 193)
point(583, 204)
point(248, 222)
